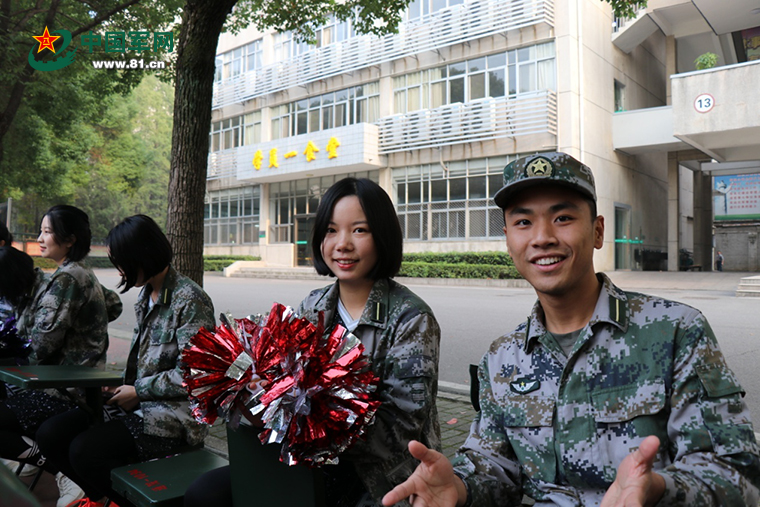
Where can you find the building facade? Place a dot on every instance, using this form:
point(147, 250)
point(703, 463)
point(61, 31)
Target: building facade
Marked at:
point(433, 113)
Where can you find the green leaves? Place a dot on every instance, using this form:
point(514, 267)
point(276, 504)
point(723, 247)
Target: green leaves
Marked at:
point(626, 8)
point(110, 158)
point(303, 17)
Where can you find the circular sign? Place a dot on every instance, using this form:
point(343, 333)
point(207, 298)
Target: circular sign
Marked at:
point(704, 103)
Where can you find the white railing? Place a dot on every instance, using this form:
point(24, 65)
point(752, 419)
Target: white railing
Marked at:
point(457, 24)
point(619, 23)
point(481, 120)
point(222, 164)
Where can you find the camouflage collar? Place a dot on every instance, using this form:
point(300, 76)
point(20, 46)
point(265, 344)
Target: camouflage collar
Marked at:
point(611, 307)
point(375, 311)
point(165, 295)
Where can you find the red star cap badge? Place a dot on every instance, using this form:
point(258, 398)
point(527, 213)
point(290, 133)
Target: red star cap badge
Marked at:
point(46, 40)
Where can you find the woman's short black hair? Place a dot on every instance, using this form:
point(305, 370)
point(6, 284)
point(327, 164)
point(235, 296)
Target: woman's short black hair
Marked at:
point(16, 274)
point(138, 246)
point(5, 235)
point(381, 218)
point(71, 224)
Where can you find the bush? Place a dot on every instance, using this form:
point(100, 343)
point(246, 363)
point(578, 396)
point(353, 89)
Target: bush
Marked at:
point(457, 270)
point(91, 262)
point(706, 61)
point(98, 262)
point(210, 263)
point(491, 258)
point(232, 257)
point(219, 262)
point(43, 263)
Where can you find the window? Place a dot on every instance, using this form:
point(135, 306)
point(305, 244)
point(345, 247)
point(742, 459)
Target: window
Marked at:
point(619, 96)
point(434, 203)
point(515, 72)
point(287, 47)
point(231, 217)
point(359, 104)
point(237, 131)
point(421, 8)
point(243, 59)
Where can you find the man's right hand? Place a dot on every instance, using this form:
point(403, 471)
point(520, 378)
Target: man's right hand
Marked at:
point(433, 483)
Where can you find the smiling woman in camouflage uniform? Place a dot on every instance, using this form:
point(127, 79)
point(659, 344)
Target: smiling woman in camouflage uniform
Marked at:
point(66, 317)
point(171, 309)
point(357, 239)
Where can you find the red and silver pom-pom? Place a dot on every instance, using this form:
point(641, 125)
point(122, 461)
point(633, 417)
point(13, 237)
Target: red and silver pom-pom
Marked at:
point(217, 368)
point(317, 396)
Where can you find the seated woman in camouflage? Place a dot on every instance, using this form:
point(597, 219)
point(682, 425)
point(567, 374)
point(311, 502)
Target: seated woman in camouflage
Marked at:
point(65, 315)
point(357, 239)
point(170, 309)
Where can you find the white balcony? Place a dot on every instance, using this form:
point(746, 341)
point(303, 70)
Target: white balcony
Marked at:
point(357, 151)
point(715, 111)
point(480, 120)
point(645, 130)
point(728, 127)
point(454, 25)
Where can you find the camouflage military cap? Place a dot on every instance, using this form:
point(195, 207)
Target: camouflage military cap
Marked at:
point(545, 168)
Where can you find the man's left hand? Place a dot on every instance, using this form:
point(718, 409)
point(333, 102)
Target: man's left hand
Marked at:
point(636, 485)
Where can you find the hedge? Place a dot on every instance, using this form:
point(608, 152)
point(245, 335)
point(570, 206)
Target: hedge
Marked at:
point(219, 262)
point(457, 270)
point(210, 263)
point(492, 258)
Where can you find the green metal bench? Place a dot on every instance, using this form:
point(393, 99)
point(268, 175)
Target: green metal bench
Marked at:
point(256, 472)
point(163, 482)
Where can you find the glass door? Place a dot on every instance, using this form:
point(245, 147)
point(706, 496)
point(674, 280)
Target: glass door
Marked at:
point(623, 240)
point(304, 225)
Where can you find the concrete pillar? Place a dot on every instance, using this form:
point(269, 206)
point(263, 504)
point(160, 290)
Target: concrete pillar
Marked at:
point(673, 222)
point(670, 65)
point(703, 220)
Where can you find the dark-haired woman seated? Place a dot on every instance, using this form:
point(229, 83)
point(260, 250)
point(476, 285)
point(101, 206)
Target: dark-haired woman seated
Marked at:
point(65, 315)
point(357, 239)
point(171, 308)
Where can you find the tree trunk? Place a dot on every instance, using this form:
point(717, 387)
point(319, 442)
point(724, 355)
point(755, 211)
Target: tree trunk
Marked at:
point(201, 25)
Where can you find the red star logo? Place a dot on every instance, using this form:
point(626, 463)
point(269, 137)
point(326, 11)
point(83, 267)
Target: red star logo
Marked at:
point(46, 40)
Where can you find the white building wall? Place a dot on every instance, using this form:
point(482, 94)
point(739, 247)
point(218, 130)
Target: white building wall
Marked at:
point(587, 63)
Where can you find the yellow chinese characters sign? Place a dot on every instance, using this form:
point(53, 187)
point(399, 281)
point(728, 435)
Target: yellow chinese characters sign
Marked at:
point(310, 152)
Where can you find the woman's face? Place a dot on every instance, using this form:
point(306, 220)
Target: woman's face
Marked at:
point(49, 247)
point(349, 248)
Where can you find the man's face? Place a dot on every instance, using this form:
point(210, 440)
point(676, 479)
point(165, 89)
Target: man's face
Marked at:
point(551, 237)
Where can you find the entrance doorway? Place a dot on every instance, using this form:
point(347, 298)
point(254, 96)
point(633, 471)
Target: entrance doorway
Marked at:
point(304, 225)
point(623, 240)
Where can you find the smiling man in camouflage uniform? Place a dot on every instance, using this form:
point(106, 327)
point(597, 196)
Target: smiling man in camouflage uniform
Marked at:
point(602, 397)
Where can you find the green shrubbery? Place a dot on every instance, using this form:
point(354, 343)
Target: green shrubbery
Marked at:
point(495, 258)
point(98, 262)
point(41, 262)
point(210, 262)
point(495, 265)
point(219, 262)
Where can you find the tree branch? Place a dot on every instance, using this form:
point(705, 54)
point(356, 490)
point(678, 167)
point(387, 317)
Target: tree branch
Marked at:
point(29, 13)
point(14, 100)
point(102, 17)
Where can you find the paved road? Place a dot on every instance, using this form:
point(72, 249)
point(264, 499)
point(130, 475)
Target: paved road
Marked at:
point(472, 317)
